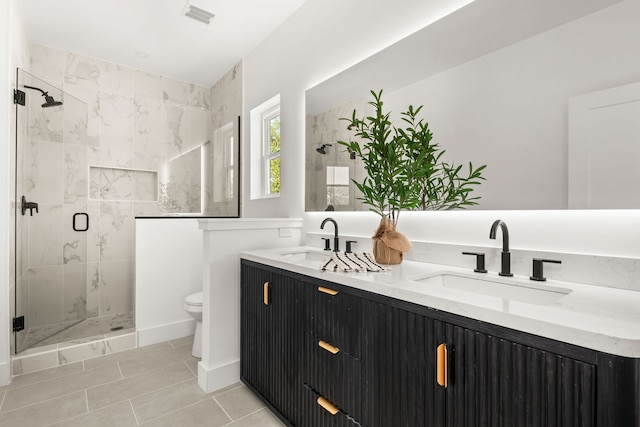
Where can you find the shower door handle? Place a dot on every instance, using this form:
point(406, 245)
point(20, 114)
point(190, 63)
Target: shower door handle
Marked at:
point(86, 224)
point(28, 206)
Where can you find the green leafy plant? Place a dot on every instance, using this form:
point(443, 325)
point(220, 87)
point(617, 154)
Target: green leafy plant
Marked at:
point(404, 167)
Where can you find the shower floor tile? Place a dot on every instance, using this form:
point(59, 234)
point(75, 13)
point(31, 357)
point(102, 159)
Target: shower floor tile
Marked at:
point(85, 331)
point(89, 339)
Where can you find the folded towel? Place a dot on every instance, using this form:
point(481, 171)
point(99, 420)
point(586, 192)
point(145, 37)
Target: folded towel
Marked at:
point(347, 262)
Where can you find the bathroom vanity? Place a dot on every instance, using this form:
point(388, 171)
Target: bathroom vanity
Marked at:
point(417, 346)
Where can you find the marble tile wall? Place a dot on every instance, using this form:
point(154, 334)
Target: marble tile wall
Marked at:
point(327, 128)
point(135, 124)
point(222, 154)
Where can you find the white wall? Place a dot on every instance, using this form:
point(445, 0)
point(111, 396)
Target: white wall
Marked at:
point(168, 268)
point(224, 239)
point(5, 84)
point(323, 38)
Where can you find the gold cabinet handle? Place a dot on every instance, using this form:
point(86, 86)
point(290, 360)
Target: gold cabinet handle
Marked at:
point(266, 293)
point(442, 365)
point(327, 290)
point(328, 406)
point(330, 348)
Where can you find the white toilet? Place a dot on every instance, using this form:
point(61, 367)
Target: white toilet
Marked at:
point(193, 304)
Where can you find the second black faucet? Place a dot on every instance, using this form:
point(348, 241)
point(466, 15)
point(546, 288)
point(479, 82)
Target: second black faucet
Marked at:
point(505, 265)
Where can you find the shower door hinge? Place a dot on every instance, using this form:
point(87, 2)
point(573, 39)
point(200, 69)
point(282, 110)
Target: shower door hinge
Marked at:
point(18, 324)
point(19, 97)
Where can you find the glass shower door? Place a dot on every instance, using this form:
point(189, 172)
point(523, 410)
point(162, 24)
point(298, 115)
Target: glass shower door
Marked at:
point(51, 222)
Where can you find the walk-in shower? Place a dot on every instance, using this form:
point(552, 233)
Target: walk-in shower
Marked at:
point(51, 222)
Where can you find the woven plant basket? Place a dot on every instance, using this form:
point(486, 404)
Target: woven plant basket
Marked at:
point(389, 245)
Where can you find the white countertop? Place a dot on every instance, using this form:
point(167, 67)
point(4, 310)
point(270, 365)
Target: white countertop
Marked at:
point(599, 318)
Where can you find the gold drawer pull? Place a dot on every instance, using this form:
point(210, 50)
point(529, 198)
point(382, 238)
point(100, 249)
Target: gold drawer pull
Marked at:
point(266, 293)
point(328, 406)
point(442, 365)
point(331, 349)
point(327, 290)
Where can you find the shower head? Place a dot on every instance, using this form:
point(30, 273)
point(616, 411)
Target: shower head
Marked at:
point(49, 101)
point(322, 148)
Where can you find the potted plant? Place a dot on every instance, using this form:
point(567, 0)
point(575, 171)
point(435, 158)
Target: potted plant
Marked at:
point(404, 171)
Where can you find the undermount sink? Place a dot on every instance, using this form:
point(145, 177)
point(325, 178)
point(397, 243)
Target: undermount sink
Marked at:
point(306, 255)
point(502, 288)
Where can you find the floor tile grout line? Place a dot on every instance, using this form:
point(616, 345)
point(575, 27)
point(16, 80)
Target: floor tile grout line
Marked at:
point(160, 389)
point(86, 403)
point(245, 416)
point(120, 370)
point(231, 387)
point(81, 415)
point(222, 407)
point(189, 406)
point(41, 401)
point(48, 379)
point(140, 395)
point(189, 367)
point(122, 377)
point(135, 417)
point(4, 396)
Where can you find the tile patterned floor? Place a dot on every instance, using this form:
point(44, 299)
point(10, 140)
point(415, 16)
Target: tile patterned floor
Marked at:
point(148, 386)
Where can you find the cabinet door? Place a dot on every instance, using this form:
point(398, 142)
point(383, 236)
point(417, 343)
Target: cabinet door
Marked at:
point(400, 368)
point(271, 338)
point(494, 382)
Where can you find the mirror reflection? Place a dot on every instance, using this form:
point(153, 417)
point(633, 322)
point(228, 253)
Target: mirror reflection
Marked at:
point(496, 80)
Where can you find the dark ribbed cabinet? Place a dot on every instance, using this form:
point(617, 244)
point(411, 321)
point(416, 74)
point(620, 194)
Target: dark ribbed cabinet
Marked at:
point(272, 343)
point(373, 361)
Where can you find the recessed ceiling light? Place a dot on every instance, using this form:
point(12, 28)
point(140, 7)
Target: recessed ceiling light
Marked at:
point(198, 14)
point(141, 54)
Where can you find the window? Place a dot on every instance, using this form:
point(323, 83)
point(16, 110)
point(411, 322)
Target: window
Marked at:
point(338, 186)
point(271, 150)
point(223, 163)
point(265, 149)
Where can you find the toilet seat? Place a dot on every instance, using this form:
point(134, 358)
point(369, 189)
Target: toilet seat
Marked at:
point(194, 300)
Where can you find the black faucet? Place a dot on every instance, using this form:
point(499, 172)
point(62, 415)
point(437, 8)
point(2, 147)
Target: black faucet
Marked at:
point(505, 267)
point(336, 241)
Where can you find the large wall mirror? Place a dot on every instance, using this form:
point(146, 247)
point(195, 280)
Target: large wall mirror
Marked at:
point(496, 79)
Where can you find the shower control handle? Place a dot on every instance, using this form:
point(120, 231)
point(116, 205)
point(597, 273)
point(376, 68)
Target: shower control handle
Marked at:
point(28, 205)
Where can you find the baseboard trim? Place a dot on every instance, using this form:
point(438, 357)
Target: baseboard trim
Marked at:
point(162, 333)
point(220, 377)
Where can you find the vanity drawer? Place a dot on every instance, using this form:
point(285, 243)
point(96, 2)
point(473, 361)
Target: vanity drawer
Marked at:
point(334, 374)
point(335, 316)
point(318, 411)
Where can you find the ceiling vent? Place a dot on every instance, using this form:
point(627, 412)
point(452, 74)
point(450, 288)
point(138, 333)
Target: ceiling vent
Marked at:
point(198, 14)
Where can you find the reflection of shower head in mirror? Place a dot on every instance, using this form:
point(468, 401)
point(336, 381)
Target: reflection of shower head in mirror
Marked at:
point(322, 149)
point(49, 101)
